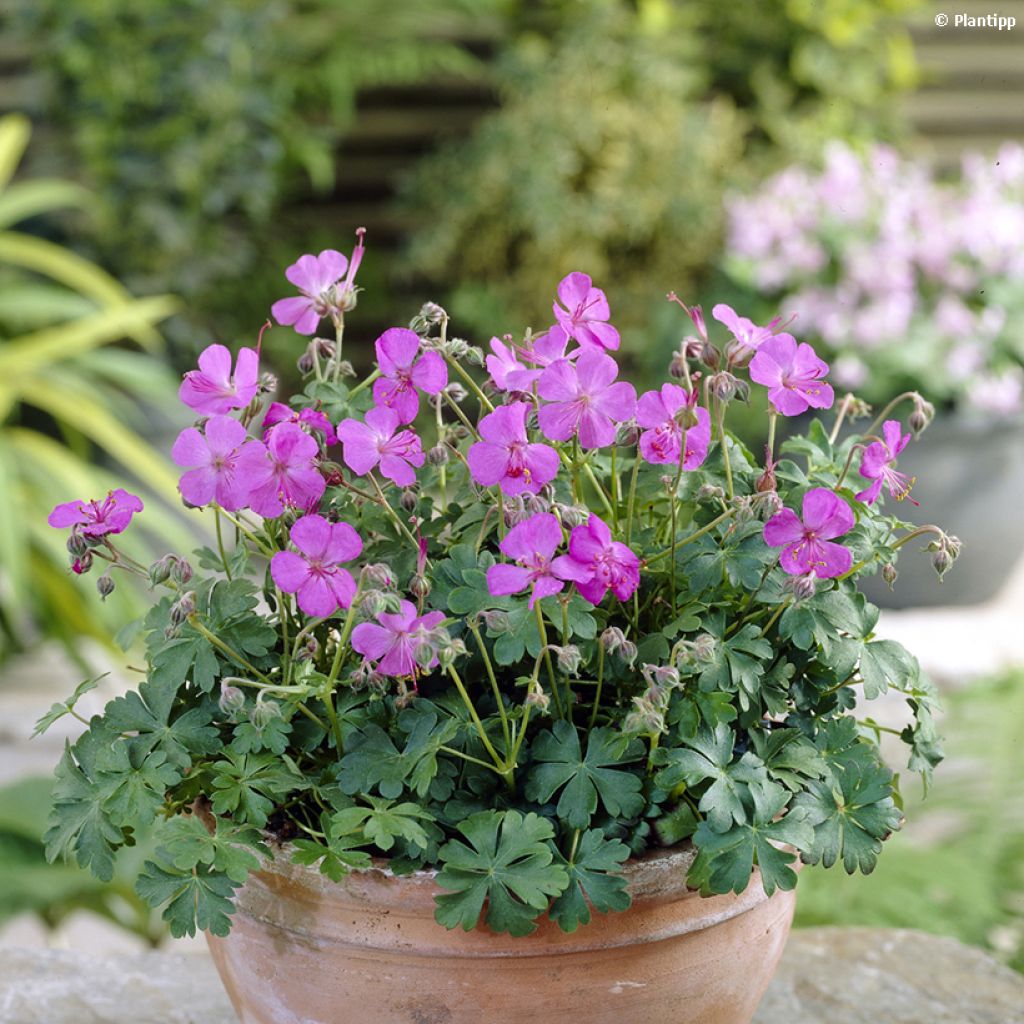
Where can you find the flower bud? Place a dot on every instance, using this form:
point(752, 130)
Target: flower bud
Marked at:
point(744, 509)
point(332, 473)
point(856, 408)
point(536, 504)
point(538, 698)
point(408, 500)
point(766, 481)
point(324, 347)
point(496, 620)
point(660, 675)
point(267, 384)
point(305, 363)
point(419, 586)
point(474, 356)
point(709, 492)
point(725, 387)
point(432, 313)
point(803, 587)
point(447, 648)
point(515, 511)
point(424, 655)
point(456, 348)
point(627, 435)
point(889, 574)
point(767, 504)
point(346, 369)
point(710, 356)
point(677, 368)
point(378, 575)
point(77, 545)
point(80, 566)
point(571, 515)
point(704, 647)
point(437, 456)
point(264, 712)
point(628, 652)
point(612, 639)
point(568, 658)
point(920, 419)
point(232, 699)
point(372, 603)
point(181, 571)
point(160, 570)
point(309, 650)
point(183, 607)
point(105, 586)
point(456, 392)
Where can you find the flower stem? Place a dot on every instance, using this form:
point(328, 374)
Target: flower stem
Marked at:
point(720, 420)
point(339, 334)
point(220, 543)
point(880, 418)
point(346, 632)
point(546, 654)
point(237, 658)
point(364, 383)
point(773, 418)
point(631, 501)
point(693, 536)
point(849, 461)
point(600, 686)
point(470, 383)
point(502, 767)
point(475, 630)
point(394, 515)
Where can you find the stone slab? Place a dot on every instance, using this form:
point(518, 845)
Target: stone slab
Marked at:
point(833, 975)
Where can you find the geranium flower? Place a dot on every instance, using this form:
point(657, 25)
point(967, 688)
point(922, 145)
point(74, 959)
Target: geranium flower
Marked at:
point(278, 412)
point(403, 370)
point(666, 439)
point(507, 372)
point(532, 544)
point(393, 643)
point(315, 576)
point(288, 474)
point(378, 441)
point(213, 389)
point(585, 399)
point(793, 375)
point(806, 543)
point(586, 312)
point(597, 564)
point(747, 334)
point(319, 278)
point(227, 463)
point(97, 517)
point(878, 464)
point(506, 458)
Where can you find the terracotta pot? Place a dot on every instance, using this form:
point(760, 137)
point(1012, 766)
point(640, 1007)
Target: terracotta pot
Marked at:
point(304, 950)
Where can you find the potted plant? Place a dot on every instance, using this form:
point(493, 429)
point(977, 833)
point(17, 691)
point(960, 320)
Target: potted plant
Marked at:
point(912, 282)
point(494, 700)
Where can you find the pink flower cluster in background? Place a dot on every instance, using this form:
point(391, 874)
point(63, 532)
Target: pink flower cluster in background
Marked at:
point(900, 274)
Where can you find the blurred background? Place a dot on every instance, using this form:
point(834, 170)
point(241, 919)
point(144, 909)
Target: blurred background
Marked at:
point(847, 161)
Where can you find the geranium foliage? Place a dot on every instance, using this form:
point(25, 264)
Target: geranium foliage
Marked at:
point(518, 630)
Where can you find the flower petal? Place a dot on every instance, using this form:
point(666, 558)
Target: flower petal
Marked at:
point(289, 570)
point(396, 349)
point(507, 579)
point(826, 514)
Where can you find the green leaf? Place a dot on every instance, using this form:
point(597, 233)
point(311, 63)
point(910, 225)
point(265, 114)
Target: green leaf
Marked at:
point(234, 850)
point(737, 664)
point(335, 859)
point(197, 900)
point(560, 765)
point(134, 784)
point(885, 663)
point(507, 863)
point(248, 784)
point(725, 859)
point(58, 711)
point(593, 881)
point(272, 735)
point(382, 823)
point(789, 756)
point(147, 714)
point(850, 816)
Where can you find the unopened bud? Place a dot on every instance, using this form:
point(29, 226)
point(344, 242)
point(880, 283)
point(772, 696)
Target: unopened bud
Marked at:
point(372, 603)
point(710, 356)
point(449, 649)
point(332, 474)
point(725, 387)
point(456, 348)
point(803, 587)
point(704, 647)
point(536, 504)
point(80, 566)
point(305, 363)
point(627, 435)
point(105, 586)
point(628, 652)
point(378, 574)
point(77, 544)
point(437, 456)
point(709, 492)
point(572, 515)
point(346, 369)
point(160, 570)
point(766, 481)
point(232, 700)
point(942, 560)
point(432, 313)
point(264, 712)
point(889, 574)
point(181, 571)
point(408, 500)
point(660, 675)
point(419, 586)
point(456, 392)
point(612, 639)
point(920, 419)
point(568, 658)
point(515, 511)
point(267, 384)
point(744, 509)
point(496, 620)
point(324, 347)
point(677, 367)
point(474, 356)
point(309, 650)
point(183, 607)
point(538, 698)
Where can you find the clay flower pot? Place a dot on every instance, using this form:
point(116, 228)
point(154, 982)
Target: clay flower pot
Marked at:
point(304, 950)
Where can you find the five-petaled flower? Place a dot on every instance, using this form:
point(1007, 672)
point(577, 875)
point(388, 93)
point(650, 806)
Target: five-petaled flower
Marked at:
point(793, 375)
point(226, 463)
point(532, 543)
point(585, 313)
point(315, 575)
point(97, 517)
point(380, 441)
point(597, 564)
point(806, 544)
point(878, 464)
point(324, 293)
point(748, 335)
point(584, 399)
point(404, 370)
point(213, 389)
point(393, 641)
point(287, 475)
point(676, 426)
point(506, 458)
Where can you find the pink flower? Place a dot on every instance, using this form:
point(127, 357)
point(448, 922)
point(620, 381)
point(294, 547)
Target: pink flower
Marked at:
point(585, 316)
point(505, 457)
point(507, 372)
point(393, 644)
point(402, 373)
point(315, 574)
point(97, 518)
point(312, 418)
point(212, 389)
point(747, 334)
point(378, 441)
point(319, 278)
point(532, 544)
point(597, 564)
point(287, 475)
point(793, 375)
point(879, 465)
point(585, 399)
point(227, 463)
point(806, 544)
point(665, 414)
